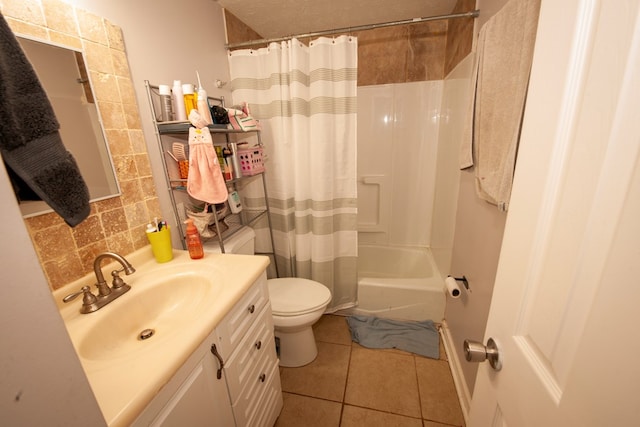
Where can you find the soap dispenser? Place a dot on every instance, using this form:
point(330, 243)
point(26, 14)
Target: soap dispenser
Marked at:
point(194, 243)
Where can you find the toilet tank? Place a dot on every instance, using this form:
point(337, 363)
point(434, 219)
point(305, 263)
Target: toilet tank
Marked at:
point(242, 242)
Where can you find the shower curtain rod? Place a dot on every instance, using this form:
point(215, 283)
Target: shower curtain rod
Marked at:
point(472, 14)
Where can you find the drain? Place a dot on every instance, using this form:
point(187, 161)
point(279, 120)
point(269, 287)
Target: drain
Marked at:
point(146, 334)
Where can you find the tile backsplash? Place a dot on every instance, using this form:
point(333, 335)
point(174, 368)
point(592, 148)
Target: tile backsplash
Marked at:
point(118, 223)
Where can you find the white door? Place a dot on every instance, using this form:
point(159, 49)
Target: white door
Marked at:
point(566, 305)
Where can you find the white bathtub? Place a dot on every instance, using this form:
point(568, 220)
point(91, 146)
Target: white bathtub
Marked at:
point(399, 283)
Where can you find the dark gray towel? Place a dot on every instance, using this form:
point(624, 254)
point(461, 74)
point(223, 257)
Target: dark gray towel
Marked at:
point(416, 337)
point(29, 140)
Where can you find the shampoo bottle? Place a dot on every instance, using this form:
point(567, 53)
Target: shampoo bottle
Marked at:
point(178, 102)
point(194, 244)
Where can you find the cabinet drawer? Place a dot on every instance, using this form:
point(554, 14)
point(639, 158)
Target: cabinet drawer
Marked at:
point(254, 395)
point(257, 344)
point(237, 322)
point(268, 410)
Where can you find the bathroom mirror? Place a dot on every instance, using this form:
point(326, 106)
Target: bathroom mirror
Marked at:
point(62, 73)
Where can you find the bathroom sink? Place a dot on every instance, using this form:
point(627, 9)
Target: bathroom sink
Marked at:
point(156, 311)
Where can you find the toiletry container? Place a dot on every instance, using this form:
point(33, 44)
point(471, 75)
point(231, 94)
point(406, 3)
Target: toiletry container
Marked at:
point(178, 101)
point(165, 103)
point(190, 101)
point(194, 243)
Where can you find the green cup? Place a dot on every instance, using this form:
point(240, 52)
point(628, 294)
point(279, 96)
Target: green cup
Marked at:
point(161, 244)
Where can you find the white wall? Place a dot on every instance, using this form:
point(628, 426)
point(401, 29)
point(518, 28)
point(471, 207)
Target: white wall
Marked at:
point(167, 40)
point(397, 154)
point(42, 380)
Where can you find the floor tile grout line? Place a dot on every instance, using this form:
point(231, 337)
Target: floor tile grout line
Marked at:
point(346, 382)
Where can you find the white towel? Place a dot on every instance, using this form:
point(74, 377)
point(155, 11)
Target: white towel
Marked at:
point(501, 75)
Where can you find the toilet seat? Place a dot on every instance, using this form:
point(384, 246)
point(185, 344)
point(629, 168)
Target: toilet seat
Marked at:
point(292, 296)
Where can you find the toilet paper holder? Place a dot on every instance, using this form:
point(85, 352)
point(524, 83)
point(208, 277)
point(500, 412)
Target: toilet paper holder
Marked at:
point(464, 281)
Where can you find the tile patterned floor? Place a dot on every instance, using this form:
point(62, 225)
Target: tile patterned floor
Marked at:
point(352, 386)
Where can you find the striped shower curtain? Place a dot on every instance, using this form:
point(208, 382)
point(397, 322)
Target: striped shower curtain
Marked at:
point(305, 100)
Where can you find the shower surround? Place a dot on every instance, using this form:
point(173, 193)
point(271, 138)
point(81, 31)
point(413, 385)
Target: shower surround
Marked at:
point(398, 127)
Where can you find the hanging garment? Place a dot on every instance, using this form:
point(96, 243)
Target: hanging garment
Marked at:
point(205, 181)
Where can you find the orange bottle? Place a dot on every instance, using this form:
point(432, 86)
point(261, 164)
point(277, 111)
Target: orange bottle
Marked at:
point(194, 243)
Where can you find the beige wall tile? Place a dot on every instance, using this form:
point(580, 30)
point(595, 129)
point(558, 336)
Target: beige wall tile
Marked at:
point(131, 191)
point(119, 142)
point(92, 27)
point(88, 231)
point(27, 29)
point(24, 10)
point(98, 57)
point(121, 243)
point(51, 241)
point(120, 63)
point(105, 87)
point(137, 214)
point(64, 269)
point(114, 221)
point(114, 36)
point(138, 142)
point(112, 114)
point(67, 40)
point(127, 93)
point(60, 16)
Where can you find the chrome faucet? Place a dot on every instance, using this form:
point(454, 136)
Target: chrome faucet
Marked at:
point(106, 294)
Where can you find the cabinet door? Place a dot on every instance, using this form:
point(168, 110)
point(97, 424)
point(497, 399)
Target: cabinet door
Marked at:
point(201, 400)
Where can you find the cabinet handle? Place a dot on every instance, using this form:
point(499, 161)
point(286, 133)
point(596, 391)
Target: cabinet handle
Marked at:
point(263, 377)
point(258, 345)
point(214, 351)
point(252, 308)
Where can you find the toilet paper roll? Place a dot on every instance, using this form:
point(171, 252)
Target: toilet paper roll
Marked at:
point(452, 287)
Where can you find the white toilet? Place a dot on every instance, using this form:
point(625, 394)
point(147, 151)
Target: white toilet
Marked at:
point(296, 304)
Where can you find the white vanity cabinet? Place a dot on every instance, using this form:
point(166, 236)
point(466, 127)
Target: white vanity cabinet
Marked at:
point(248, 392)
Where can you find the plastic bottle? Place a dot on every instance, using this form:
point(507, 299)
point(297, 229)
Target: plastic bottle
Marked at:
point(190, 98)
point(194, 243)
point(203, 103)
point(178, 102)
point(165, 103)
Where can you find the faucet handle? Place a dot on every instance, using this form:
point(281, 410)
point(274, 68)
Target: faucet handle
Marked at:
point(117, 282)
point(87, 299)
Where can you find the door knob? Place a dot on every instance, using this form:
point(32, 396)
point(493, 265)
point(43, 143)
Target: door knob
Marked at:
point(476, 352)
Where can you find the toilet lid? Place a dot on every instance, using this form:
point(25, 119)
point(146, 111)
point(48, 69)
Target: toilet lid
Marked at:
point(291, 296)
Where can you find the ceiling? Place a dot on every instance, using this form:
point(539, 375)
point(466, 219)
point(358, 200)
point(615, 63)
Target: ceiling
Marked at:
point(279, 18)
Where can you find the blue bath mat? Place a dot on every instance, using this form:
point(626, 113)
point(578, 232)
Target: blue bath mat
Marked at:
point(416, 337)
